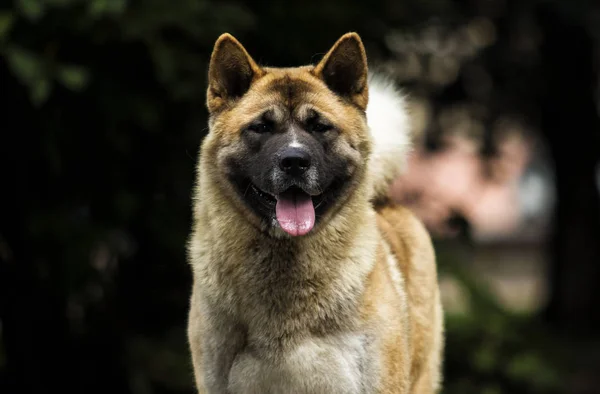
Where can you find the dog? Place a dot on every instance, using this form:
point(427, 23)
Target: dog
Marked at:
point(307, 278)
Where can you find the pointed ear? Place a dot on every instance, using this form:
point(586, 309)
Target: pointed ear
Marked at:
point(344, 69)
point(231, 72)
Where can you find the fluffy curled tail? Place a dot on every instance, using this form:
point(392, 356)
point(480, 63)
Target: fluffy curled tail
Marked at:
point(388, 121)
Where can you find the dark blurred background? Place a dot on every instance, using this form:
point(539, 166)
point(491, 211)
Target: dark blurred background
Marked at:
point(103, 115)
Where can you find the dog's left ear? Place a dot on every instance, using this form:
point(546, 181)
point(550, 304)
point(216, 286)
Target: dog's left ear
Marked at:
point(344, 69)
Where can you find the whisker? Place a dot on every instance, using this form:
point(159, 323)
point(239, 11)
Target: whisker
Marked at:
point(321, 202)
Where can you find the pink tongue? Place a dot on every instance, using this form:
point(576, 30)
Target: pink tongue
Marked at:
point(295, 212)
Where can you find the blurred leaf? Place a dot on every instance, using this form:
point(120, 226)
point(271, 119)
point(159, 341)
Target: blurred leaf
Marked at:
point(102, 7)
point(75, 78)
point(7, 20)
point(30, 71)
point(485, 358)
point(40, 91)
point(63, 3)
point(25, 65)
point(32, 9)
point(531, 367)
point(492, 390)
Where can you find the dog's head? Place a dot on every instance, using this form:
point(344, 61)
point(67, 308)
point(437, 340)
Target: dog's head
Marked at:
point(288, 145)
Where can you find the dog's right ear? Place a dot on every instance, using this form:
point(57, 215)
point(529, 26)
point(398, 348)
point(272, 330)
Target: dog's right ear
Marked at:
point(231, 72)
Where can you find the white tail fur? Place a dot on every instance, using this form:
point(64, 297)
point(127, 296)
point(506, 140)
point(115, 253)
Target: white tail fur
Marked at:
point(389, 123)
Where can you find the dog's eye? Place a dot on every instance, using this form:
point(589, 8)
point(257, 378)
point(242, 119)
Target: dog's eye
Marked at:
point(319, 127)
point(261, 127)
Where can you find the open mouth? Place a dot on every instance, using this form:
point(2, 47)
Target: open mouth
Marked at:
point(295, 210)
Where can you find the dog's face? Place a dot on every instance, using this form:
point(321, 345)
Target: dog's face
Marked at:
point(288, 145)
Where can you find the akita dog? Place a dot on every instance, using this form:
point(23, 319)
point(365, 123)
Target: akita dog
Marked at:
point(307, 278)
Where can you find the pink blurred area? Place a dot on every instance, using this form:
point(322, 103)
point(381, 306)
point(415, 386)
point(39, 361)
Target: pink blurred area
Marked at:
point(459, 181)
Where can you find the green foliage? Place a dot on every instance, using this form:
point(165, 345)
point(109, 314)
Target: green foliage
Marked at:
point(31, 9)
point(177, 63)
point(73, 77)
point(30, 71)
point(492, 350)
point(7, 20)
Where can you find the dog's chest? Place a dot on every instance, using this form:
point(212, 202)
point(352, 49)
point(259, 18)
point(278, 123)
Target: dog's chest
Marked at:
point(335, 364)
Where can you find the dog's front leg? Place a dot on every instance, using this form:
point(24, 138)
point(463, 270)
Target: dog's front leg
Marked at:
point(214, 343)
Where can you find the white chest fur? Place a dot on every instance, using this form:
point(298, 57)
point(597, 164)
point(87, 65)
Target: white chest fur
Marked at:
point(334, 364)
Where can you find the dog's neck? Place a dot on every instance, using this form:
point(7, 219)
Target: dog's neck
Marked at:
point(309, 284)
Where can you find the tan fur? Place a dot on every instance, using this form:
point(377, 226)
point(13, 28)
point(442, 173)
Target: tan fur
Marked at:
point(352, 307)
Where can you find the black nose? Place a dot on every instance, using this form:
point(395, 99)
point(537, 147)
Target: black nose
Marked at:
point(294, 161)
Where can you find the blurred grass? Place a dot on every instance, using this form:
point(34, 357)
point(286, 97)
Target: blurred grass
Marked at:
point(490, 349)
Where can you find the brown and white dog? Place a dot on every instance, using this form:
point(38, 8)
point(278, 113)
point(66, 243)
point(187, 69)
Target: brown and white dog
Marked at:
point(307, 279)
